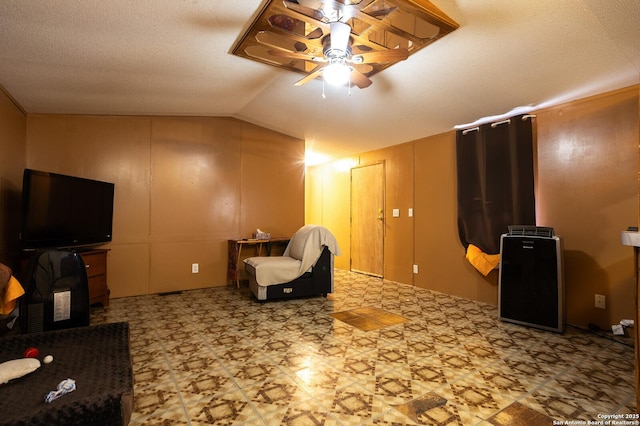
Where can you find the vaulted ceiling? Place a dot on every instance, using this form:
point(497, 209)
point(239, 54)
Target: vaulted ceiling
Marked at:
point(171, 57)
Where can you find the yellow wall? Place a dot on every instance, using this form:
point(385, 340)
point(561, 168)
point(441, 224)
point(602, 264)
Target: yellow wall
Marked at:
point(327, 201)
point(586, 189)
point(13, 127)
point(184, 186)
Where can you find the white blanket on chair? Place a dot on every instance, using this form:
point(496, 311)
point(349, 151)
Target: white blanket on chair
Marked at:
point(302, 252)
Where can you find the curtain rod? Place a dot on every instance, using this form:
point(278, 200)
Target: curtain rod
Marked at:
point(497, 123)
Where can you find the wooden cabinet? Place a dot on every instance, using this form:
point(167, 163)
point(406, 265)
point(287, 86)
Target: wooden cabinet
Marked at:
point(96, 264)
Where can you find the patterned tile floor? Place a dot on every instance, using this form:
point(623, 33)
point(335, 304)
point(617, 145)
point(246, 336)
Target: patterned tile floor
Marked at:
point(216, 356)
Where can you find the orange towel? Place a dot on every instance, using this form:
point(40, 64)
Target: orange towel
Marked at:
point(482, 261)
point(10, 296)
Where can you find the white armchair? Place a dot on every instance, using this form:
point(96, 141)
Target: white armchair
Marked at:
point(305, 268)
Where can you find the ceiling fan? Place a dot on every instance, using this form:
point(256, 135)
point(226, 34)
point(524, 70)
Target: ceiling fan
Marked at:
point(354, 39)
point(339, 64)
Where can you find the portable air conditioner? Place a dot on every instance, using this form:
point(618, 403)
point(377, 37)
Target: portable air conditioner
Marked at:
point(531, 278)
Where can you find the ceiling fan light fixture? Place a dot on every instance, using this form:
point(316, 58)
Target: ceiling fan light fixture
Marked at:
point(336, 73)
point(340, 33)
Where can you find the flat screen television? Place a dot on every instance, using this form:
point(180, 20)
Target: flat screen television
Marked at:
point(60, 211)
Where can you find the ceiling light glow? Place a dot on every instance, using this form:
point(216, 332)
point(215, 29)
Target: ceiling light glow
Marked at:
point(312, 158)
point(337, 73)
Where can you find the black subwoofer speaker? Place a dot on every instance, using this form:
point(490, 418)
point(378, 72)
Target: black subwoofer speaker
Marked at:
point(531, 280)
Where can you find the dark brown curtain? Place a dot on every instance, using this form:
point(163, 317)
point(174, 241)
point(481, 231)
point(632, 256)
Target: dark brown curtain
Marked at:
point(495, 181)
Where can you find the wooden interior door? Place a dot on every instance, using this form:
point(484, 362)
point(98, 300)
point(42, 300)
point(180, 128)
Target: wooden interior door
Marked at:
point(367, 219)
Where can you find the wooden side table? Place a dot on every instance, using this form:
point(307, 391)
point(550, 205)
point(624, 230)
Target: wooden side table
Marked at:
point(235, 252)
point(96, 263)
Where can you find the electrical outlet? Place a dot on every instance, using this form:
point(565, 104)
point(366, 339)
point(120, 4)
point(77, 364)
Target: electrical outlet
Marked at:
point(600, 301)
point(195, 267)
point(415, 269)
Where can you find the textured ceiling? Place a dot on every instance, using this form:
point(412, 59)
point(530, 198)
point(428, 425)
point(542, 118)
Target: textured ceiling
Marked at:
point(171, 57)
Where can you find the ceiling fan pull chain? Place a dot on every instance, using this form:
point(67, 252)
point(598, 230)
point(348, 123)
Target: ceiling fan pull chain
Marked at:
point(323, 96)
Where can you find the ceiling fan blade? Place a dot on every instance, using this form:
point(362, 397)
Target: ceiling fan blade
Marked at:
point(358, 49)
point(391, 55)
point(310, 77)
point(359, 79)
point(363, 68)
point(312, 13)
point(295, 55)
point(382, 12)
